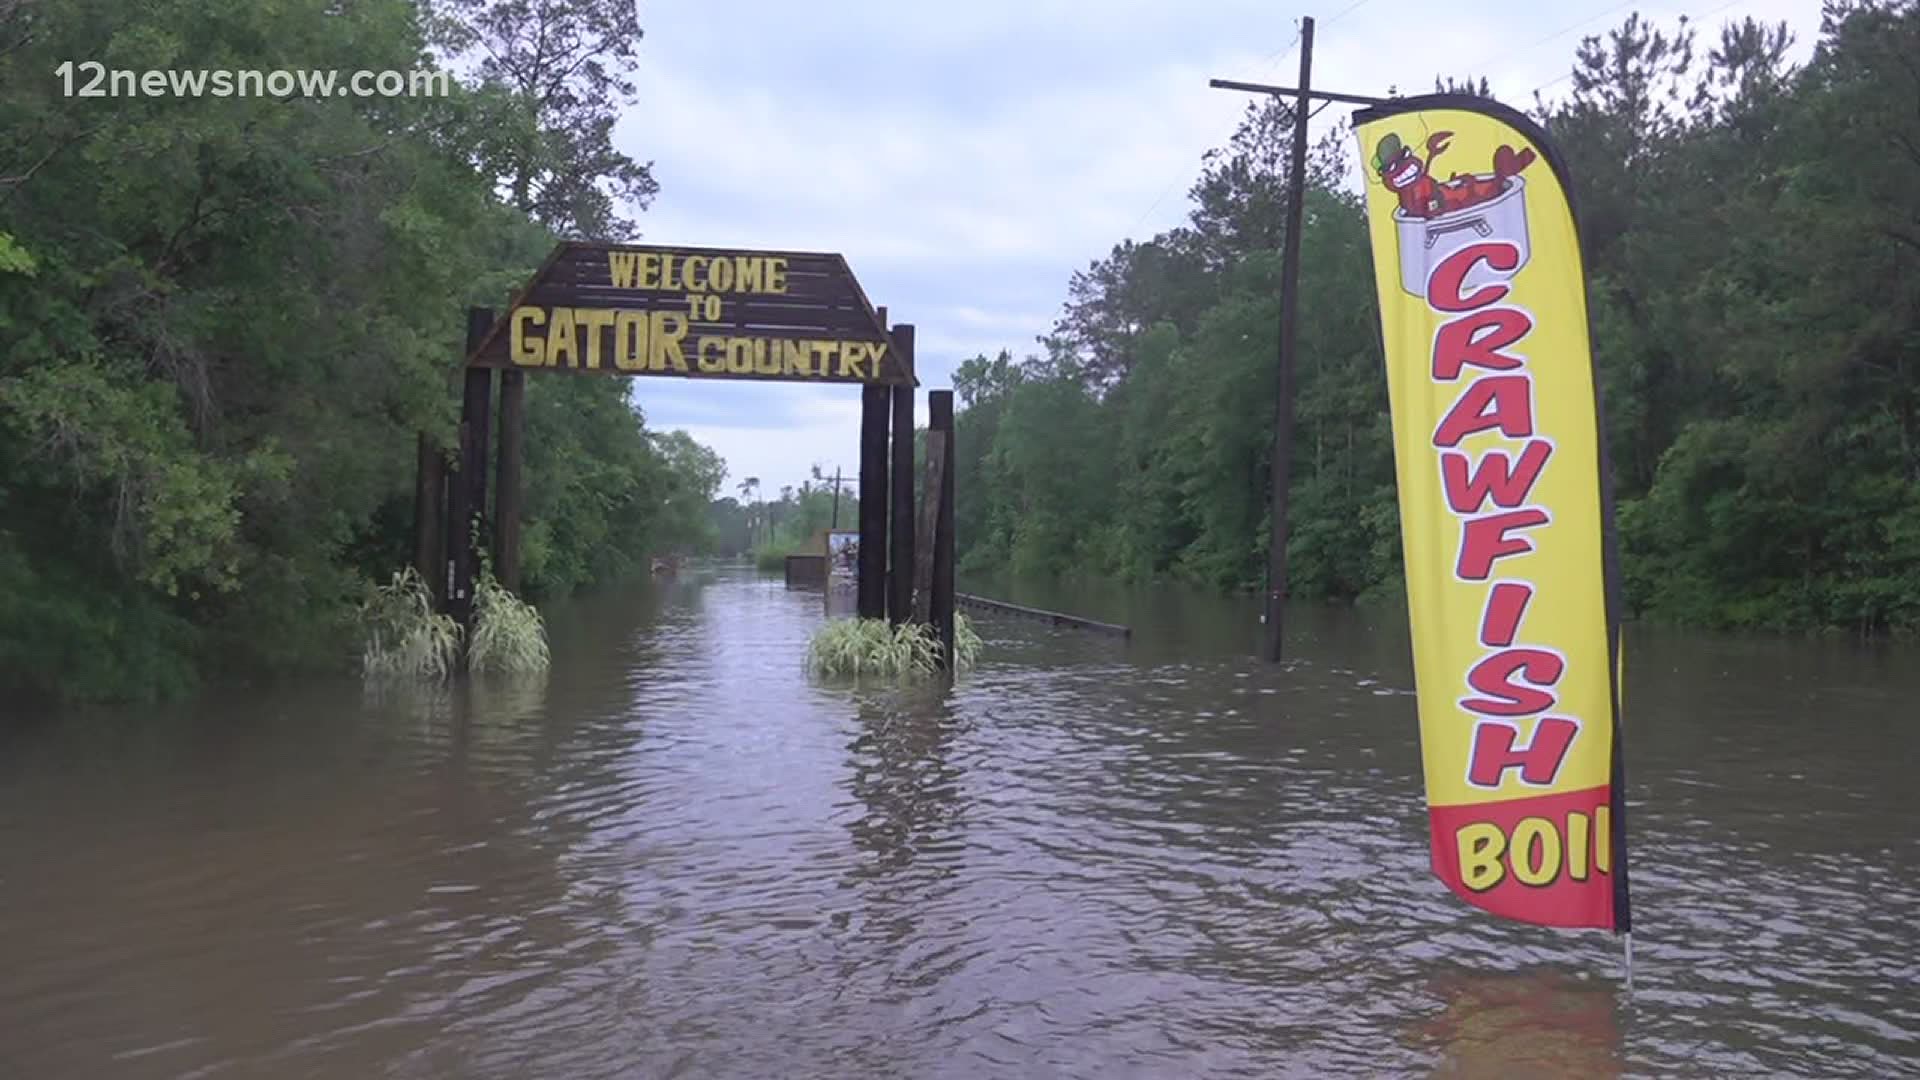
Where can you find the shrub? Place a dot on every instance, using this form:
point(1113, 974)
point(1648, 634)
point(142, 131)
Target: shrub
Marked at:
point(966, 643)
point(405, 636)
point(509, 637)
point(856, 647)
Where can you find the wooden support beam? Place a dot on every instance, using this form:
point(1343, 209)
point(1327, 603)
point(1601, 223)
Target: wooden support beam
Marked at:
point(933, 476)
point(1301, 91)
point(872, 584)
point(456, 584)
point(478, 391)
point(429, 515)
point(507, 496)
point(901, 519)
point(940, 607)
point(467, 487)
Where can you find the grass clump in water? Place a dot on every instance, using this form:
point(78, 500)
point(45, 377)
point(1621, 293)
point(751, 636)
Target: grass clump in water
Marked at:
point(966, 643)
point(405, 636)
point(509, 637)
point(856, 647)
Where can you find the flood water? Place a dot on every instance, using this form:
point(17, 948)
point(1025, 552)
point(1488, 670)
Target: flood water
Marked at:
point(681, 858)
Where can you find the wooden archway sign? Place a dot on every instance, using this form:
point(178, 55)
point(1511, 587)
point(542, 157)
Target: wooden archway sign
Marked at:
point(697, 313)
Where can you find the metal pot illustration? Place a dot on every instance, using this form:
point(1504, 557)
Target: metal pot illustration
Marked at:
point(1438, 217)
point(1426, 241)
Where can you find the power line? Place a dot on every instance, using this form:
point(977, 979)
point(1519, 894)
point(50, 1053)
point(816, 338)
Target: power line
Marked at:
point(1692, 18)
point(1266, 65)
point(1157, 200)
point(1718, 10)
point(1344, 12)
point(1563, 31)
point(1550, 82)
point(1273, 61)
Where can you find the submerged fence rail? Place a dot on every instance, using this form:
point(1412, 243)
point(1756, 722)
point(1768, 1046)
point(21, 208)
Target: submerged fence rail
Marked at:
point(1054, 617)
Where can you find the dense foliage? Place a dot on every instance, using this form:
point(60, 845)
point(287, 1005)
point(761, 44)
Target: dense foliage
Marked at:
point(1753, 237)
point(224, 319)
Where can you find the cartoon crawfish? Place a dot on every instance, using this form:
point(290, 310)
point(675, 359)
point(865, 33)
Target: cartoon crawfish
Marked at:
point(1421, 196)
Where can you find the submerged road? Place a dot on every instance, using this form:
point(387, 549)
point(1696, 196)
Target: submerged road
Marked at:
point(1094, 858)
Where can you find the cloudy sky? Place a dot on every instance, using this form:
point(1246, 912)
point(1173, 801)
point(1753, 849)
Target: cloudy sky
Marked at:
point(967, 158)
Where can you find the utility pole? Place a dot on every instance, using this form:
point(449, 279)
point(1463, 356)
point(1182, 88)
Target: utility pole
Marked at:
point(836, 498)
point(1281, 470)
point(1282, 460)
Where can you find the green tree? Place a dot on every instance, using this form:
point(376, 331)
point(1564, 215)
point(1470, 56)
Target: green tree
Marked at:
point(555, 74)
point(1751, 246)
point(223, 322)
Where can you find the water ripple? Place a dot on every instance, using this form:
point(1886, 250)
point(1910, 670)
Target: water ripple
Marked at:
point(680, 857)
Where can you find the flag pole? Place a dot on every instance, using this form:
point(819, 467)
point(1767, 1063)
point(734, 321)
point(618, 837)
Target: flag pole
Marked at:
point(1620, 699)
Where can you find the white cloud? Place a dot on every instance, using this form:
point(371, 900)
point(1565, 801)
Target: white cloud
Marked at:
point(823, 428)
point(1061, 171)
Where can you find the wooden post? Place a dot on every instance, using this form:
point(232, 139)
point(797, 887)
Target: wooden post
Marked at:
point(933, 483)
point(456, 586)
point(478, 400)
point(429, 515)
point(940, 606)
point(900, 562)
point(1281, 472)
point(467, 489)
point(872, 585)
point(507, 495)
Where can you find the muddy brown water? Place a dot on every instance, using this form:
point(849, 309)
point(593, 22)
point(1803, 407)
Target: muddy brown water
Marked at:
point(679, 857)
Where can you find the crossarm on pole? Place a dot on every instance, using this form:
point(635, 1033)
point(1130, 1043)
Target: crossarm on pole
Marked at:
point(1289, 91)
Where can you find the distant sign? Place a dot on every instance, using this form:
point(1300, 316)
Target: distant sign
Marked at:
point(704, 313)
point(843, 555)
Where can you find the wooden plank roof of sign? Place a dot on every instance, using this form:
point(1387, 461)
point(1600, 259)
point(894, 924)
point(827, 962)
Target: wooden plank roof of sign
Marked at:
point(823, 299)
